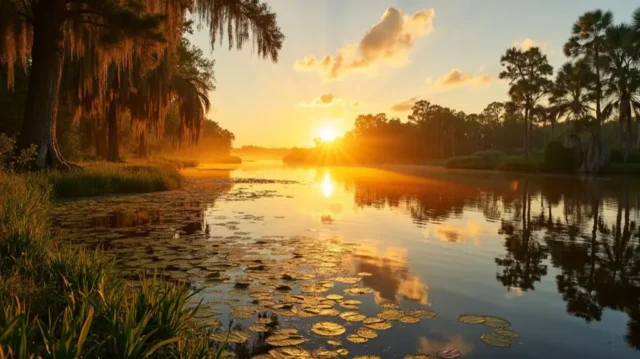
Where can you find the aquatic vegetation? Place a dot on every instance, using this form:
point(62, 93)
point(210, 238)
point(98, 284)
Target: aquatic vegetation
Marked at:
point(328, 329)
point(495, 322)
point(471, 319)
point(496, 340)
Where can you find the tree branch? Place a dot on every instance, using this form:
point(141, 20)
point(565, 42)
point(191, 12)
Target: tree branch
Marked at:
point(94, 23)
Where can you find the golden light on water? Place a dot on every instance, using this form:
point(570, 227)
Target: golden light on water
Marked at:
point(327, 185)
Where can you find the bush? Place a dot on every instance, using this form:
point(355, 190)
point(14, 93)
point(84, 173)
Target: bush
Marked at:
point(472, 162)
point(518, 164)
point(616, 156)
point(557, 158)
point(490, 154)
point(9, 160)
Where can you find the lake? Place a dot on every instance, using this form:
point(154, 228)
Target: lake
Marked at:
point(390, 261)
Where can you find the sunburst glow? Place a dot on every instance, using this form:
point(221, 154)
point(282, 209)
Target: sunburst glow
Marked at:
point(327, 133)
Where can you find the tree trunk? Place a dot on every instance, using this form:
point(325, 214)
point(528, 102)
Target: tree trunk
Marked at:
point(627, 138)
point(526, 133)
point(113, 153)
point(143, 151)
point(41, 107)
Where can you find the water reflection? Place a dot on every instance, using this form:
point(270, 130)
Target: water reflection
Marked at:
point(586, 229)
point(504, 245)
point(390, 277)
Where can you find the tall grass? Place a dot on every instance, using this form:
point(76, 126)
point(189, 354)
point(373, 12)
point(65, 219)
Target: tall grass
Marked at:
point(57, 302)
point(101, 178)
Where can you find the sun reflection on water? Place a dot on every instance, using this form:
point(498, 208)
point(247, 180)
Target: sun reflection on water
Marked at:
point(327, 185)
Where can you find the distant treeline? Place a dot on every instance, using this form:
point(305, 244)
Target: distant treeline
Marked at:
point(587, 111)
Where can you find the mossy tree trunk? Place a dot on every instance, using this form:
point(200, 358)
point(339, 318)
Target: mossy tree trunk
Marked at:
point(41, 108)
point(113, 151)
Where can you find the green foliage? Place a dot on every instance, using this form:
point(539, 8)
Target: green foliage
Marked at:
point(557, 158)
point(97, 179)
point(57, 302)
point(472, 162)
point(9, 160)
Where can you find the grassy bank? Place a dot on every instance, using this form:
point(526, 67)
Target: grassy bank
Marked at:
point(63, 303)
point(101, 178)
point(497, 160)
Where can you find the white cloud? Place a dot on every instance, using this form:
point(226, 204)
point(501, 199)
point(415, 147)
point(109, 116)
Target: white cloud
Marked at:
point(387, 42)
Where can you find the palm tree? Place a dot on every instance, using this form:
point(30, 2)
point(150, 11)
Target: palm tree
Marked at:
point(587, 41)
point(623, 78)
point(571, 93)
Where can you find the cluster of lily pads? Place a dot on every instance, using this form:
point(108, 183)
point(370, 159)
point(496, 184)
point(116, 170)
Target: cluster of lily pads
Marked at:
point(502, 335)
point(256, 279)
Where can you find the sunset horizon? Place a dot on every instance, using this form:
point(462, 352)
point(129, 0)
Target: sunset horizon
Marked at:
point(434, 63)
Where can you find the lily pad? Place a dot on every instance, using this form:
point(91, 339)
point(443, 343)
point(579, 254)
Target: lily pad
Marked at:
point(496, 322)
point(471, 319)
point(506, 333)
point(235, 337)
point(285, 340)
point(352, 316)
point(421, 313)
point(377, 323)
point(356, 339)
point(289, 352)
point(496, 340)
point(366, 333)
point(409, 319)
point(328, 329)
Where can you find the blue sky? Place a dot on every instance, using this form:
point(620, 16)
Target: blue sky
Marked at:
point(276, 105)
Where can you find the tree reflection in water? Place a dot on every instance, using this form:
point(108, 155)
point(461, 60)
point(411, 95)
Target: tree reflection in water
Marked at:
point(584, 228)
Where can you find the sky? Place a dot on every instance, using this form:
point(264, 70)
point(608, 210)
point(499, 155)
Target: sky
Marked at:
point(342, 58)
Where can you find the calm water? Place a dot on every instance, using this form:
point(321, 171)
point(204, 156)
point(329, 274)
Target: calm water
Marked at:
point(557, 257)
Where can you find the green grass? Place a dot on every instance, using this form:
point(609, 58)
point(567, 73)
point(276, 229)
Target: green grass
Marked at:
point(57, 302)
point(102, 178)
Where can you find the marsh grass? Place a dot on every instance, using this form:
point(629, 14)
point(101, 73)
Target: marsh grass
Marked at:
point(102, 178)
point(58, 302)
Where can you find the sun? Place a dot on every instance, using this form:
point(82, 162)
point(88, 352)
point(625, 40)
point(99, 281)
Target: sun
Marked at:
point(327, 133)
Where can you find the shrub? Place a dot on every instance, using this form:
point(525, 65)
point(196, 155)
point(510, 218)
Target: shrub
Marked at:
point(557, 158)
point(472, 162)
point(9, 160)
point(518, 164)
point(490, 154)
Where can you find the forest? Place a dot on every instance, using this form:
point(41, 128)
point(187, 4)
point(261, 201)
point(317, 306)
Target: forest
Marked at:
point(85, 80)
point(584, 118)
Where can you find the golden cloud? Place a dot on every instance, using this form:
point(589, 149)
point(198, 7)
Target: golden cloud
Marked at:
point(390, 277)
point(457, 78)
point(328, 100)
point(427, 345)
point(387, 42)
point(528, 43)
point(405, 105)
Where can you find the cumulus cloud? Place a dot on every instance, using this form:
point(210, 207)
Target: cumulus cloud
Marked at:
point(528, 43)
point(405, 105)
point(387, 42)
point(457, 78)
point(328, 100)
